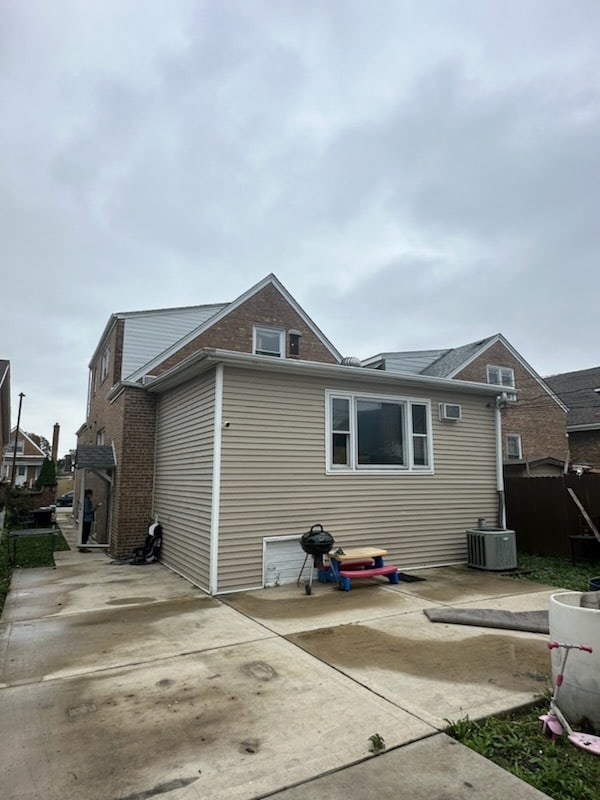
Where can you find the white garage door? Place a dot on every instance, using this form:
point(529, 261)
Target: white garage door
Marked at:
point(283, 557)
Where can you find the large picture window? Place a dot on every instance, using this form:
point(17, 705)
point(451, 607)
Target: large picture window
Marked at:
point(369, 432)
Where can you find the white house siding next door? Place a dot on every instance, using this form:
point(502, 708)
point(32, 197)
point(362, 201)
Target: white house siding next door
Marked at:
point(282, 560)
point(183, 479)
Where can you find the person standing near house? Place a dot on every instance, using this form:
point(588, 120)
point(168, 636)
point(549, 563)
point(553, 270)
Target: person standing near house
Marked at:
point(89, 512)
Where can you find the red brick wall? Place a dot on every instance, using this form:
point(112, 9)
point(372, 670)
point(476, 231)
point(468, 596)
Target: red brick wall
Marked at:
point(129, 423)
point(134, 475)
point(536, 417)
point(234, 332)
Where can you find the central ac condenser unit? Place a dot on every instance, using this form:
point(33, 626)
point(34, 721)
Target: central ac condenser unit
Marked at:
point(494, 549)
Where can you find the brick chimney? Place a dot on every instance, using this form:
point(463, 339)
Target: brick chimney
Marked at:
point(55, 442)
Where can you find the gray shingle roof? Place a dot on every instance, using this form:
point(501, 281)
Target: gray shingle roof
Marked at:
point(576, 390)
point(94, 456)
point(453, 359)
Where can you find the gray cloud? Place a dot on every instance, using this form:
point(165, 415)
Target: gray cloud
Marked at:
point(417, 174)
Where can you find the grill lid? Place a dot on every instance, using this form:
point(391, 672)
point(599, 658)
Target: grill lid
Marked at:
point(316, 541)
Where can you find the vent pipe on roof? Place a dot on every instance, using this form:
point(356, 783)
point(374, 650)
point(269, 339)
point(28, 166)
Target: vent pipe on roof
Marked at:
point(351, 361)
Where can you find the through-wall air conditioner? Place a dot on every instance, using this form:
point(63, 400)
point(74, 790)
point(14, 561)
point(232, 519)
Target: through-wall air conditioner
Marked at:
point(450, 411)
point(492, 549)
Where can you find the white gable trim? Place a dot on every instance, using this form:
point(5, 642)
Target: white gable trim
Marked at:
point(270, 279)
point(519, 358)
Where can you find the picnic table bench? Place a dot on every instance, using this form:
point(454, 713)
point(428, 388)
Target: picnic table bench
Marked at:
point(364, 562)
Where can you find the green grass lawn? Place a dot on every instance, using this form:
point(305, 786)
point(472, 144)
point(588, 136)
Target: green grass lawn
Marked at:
point(30, 552)
point(558, 571)
point(515, 741)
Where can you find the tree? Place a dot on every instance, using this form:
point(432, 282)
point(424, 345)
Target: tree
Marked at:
point(47, 476)
point(42, 443)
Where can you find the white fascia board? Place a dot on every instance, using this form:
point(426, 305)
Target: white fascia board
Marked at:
point(592, 426)
point(372, 360)
point(301, 313)
point(500, 338)
point(207, 358)
point(112, 321)
point(272, 279)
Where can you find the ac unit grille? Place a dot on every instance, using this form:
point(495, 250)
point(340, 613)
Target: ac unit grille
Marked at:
point(492, 550)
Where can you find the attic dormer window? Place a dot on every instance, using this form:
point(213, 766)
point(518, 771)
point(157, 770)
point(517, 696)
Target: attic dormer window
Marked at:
point(268, 342)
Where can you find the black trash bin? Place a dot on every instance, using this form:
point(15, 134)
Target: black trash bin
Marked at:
point(43, 517)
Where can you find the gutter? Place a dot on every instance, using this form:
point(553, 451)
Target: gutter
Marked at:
point(206, 358)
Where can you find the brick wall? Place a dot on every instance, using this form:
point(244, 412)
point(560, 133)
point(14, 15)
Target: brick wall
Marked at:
point(129, 423)
point(234, 332)
point(585, 447)
point(536, 417)
point(134, 475)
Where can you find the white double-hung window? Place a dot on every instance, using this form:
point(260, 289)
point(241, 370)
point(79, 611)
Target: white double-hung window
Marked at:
point(268, 342)
point(502, 376)
point(371, 432)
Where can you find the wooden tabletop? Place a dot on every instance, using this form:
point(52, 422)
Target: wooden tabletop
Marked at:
point(358, 553)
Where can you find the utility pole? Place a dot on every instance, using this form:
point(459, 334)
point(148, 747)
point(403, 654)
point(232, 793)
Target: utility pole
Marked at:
point(14, 464)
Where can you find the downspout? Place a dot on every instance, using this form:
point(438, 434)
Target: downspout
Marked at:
point(216, 481)
point(500, 464)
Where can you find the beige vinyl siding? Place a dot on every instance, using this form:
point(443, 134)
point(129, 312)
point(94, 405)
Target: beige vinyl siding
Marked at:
point(274, 481)
point(183, 482)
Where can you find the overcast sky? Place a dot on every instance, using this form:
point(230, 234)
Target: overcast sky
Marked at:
point(418, 174)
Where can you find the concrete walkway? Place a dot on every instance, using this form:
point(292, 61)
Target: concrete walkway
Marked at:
point(126, 683)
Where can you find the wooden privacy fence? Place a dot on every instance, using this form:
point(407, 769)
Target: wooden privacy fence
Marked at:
point(544, 515)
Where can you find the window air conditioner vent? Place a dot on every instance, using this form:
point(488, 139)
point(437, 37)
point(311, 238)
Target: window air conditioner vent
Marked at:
point(450, 411)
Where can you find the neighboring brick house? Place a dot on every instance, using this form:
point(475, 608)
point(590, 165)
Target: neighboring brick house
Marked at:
point(534, 418)
point(136, 347)
point(580, 391)
point(28, 461)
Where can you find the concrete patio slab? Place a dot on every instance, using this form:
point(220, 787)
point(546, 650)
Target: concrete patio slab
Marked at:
point(287, 609)
point(532, 601)
point(234, 723)
point(89, 581)
point(435, 671)
point(462, 584)
point(79, 643)
point(127, 683)
point(437, 768)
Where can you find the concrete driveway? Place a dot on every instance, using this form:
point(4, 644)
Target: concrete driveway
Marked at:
point(122, 682)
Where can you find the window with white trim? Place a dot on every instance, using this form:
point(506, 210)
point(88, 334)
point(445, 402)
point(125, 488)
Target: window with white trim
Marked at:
point(268, 342)
point(502, 376)
point(100, 437)
point(371, 432)
point(513, 447)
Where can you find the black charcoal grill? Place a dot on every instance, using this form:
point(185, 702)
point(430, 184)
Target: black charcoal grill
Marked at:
point(316, 543)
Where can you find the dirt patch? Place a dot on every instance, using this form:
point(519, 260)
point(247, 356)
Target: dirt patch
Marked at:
point(515, 664)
